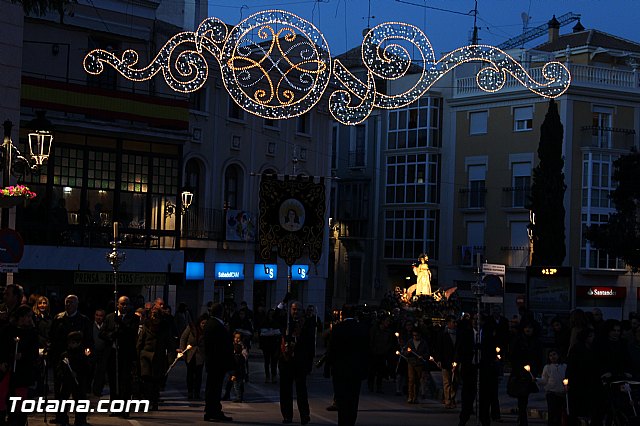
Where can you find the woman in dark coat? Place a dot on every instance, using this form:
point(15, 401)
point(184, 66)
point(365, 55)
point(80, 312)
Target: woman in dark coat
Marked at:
point(525, 350)
point(585, 386)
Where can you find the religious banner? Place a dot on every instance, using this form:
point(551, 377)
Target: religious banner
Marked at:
point(291, 217)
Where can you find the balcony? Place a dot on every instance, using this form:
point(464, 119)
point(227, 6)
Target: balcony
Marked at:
point(203, 224)
point(469, 256)
point(606, 137)
point(516, 257)
point(581, 76)
point(357, 159)
point(515, 197)
point(472, 199)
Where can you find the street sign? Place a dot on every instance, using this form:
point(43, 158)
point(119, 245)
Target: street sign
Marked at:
point(11, 246)
point(8, 267)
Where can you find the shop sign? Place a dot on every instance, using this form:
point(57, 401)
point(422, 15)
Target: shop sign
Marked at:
point(124, 278)
point(300, 272)
point(599, 292)
point(194, 271)
point(229, 271)
point(262, 272)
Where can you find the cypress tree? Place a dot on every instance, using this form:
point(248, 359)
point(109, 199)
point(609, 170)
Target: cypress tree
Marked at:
point(547, 194)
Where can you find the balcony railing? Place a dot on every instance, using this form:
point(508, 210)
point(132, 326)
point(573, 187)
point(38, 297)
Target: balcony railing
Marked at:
point(472, 198)
point(357, 158)
point(515, 197)
point(581, 75)
point(516, 257)
point(470, 255)
point(604, 137)
point(207, 224)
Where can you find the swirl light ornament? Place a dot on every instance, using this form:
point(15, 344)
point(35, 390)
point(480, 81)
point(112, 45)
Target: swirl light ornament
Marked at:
point(277, 65)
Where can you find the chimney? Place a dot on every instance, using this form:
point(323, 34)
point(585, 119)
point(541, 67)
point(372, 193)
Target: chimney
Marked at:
point(554, 29)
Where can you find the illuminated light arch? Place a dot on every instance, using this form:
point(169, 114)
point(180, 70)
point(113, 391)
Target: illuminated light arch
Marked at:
point(277, 65)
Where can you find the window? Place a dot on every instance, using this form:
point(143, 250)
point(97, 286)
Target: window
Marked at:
point(519, 249)
point(416, 126)
point(522, 119)
point(235, 111)
point(232, 186)
point(596, 207)
point(475, 243)
point(412, 178)
point(521, 182)
point(408, 232)
point(357, 146)
point(602, 126)
point(198, 100)
point(478, 122)
point(271, 123)
point(477, 176)
point(303, 124)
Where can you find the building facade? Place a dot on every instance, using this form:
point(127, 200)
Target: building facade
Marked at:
point(496, 137)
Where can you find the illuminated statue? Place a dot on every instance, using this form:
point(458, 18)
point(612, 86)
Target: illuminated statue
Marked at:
point(422, 271)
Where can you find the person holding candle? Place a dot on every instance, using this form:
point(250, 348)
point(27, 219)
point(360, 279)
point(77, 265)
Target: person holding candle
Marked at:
point(552, 378)
point(526, 362)
point(18, 355)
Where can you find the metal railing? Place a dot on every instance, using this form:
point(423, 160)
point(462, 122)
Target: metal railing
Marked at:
point(472, 198)
point(203, 224)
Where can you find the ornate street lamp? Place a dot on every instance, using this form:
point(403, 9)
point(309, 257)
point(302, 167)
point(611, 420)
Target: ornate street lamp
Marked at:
point(13, 162)
point(187, 199)
point(40, 139)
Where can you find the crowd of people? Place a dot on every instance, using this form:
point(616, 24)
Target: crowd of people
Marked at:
point(131, 348)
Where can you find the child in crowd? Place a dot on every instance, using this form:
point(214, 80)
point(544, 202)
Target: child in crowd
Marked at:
point(552, 376)
point(237, 376)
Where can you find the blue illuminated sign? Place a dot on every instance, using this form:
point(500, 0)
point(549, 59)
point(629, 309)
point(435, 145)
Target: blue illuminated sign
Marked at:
point(229, 271)
point(194, 271)
point(263, 272)
point(300, 272)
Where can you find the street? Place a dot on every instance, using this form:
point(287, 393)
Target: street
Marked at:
point(261, 406)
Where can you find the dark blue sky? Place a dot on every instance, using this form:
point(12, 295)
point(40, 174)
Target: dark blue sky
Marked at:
point(342, 21)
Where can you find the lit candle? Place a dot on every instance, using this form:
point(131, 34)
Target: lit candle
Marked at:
point(397, 352)
point(115, 231)
point(528, 368)
point(497, 350)
point(454, 364)
point(397, 334)
point(565, 382)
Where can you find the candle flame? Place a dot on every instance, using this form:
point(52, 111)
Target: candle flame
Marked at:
point(188, 347)
point(497, 349)
point(397, 334)
point(565, 382)
point(454, 364)
point(528, 368)
point(397, 352)
point(408, 349)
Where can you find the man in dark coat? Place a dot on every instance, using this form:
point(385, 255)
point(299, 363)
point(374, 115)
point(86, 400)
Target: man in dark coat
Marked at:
point(296, 360)
point(348, 357)
point(63, 324)
point(476, 353)
point(121, 334)
point(219, 360)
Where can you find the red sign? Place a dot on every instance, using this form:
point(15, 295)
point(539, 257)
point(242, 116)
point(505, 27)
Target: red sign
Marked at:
point(599, 292)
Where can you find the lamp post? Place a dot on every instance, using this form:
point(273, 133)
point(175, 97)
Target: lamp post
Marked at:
point(14, 163)
point(478, 289)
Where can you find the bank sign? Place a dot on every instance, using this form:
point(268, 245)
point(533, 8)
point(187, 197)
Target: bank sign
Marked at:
point(229, 271)
point(599, 292)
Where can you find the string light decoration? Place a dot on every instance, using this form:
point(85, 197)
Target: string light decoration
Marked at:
point(277, 65)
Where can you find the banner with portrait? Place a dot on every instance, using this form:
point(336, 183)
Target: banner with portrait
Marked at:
point(291, 217)
point(239, 226)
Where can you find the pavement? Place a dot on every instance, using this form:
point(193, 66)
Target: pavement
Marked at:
point(262, 400)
